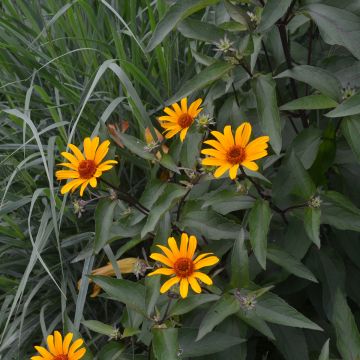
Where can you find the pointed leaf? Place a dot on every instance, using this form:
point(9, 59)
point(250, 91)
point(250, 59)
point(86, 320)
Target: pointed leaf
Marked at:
point(165, 343)
point(312, 220)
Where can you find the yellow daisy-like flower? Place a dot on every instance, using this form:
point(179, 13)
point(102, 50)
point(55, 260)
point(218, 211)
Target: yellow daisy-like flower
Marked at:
point(230, 152)
point(179, 119)
point(181, 266)
point(59, 349)
point(85, 167)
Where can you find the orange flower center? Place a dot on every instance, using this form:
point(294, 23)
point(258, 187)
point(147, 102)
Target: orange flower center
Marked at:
point(183, 267)
point(185, 120)
point(61, 357)
point(87, 169)
point(235, 155)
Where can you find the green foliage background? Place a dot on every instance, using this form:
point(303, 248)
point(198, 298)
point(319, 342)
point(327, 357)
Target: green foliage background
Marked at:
point(69, 68)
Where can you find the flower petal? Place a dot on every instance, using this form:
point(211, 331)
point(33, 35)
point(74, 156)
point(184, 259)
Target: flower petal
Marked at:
point(79, 354)
point(221, 138)
point(168, 284)
point(161, 258)
point(256, 155)
point(229, 135)
point(203, 277)
point(173, 246)
point(50, 344)
point(67, 341)
point(58, 342)
point(194, 284)
point(83, 187)
point(101, 151)
point(167, 252)
point(93, 182)
point(211, 161)
point(170, 112)
point(242, 135)
point(71, 185)
point(177, 109)
point(67, 174)
point(257, 142)
point(76, 344)
point(71, 158)
point(172, 133)
point(209, 261)
point(192, 246)
point(215, 144)
point(215, 153)
point(183, 134)
point(201, 256)
point(43, 352)
point(184, 244)
point(87, 148)
point(194, 106)
point(79, 155)
point(162, 271)
point(184, 287)
point(250, 165)
point(233, 171)
point(69, 165)
point(184, 105)
point(221, 170)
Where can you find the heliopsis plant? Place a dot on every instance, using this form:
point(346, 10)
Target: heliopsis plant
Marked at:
point(229, 152)
point(60, 349)
point(181, 265)
point(85, 167)
point(179, 119)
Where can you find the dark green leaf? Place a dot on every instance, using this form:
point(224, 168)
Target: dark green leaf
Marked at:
point(273, 11)
point(237, 14)
point(165, 343)
point(350, 106)
point(312, 220)
point(168, 162)
point(311, 102)
point(99, 327)
point(259, 222)
point(350, 127)
point(136, 146)
point(184, 306)
point(111, 350)
point(324, 355)
point(239, 263)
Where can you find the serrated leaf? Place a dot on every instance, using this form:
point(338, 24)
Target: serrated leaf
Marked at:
point(350, 127)
point(192, 302)
point(259, 222)
point(136, 146)
point(203, 79)
point(316, 77)
point(289, 263)
point(312, 220)
point(311, 102)
point(350, 106)
point(177, 12)
point(165, 343)
point(128, 292)
point(264, 88)
point(272, 12)
point(224, 307)
point(347, 333)
point(171, 193)
point(104, 216)
point(239, 263)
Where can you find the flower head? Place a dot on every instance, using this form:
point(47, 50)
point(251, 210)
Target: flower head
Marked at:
point(179, 119)
point(181, 266)
point(60, 349)
point(230, 152)
point(85, 167)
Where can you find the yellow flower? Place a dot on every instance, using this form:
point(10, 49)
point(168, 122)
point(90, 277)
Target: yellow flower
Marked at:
point(181, 266)
point(85, 167)
point(229, 153)
point(126, 266)
point(59, 349)
point(179, 119)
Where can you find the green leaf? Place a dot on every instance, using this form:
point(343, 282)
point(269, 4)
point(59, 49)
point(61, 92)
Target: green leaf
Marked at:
point(324, 355)
point(272, 12)
point(227, 201)
point(203, 79)
point(273, 309)
point(212, 343)
point(252, 319)
point(338, 211)
point(289, 263)
point(237, 14)
point(259, 222)
point(99, 327)
point(350, 106)
point(239, 263)
point(104, 216)
point(179, 11)
point(111, 350)
point(169, 196)
point(312, 220)
point(128, 292)
point(337, 26)
point(136, 146)
point(316, 77)
point(347, 333)
point(199, 30)
point(208, 223)
point(224, 307)
point(311, 102)
point(168, 162)
point(350, 127)
point(264, 88)
point(184, 306)
point(165, 343)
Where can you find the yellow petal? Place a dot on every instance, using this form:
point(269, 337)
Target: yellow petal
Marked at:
point(162, 271)
point(233, 171)
point(221, 170)
point(184, 105)
point(260, 141)
point(184, 287)
point(183, 134)
point(38, 358)
point(192, 246)
point(250, 165)
point(93, 182)
point(194, 106)
point(69, 165)
point(167, 252)
point(256, 155)
point(78, 354)
point(77, 343)
point(83, 187)
point(184, 244)
point(58, 342)
point(168, 284)
point(194, 284)
point(87, 148)
point(173, 246)
point(161, 258)
point(215, 144)
point(221, 138)
point(101, 151)
point(177, 109)
point(170, 112)
point(79, 155)
point(172, 133)
point(50, 344)
point(209, 261)
point(201, 256)
point(71, 185)
point(215, 153)
point(67, 341)
point(166, 118)
point(43, 352)
point(229, 135)
point(67, 174)
point(242, 135)
point(71, 158)
point(210, 161)
point(203, 277)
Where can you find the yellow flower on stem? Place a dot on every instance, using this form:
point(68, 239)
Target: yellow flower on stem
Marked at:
point(59, 349)
point(181, 266)
point(179, 119)
point(230, 152)
point(85, 167)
